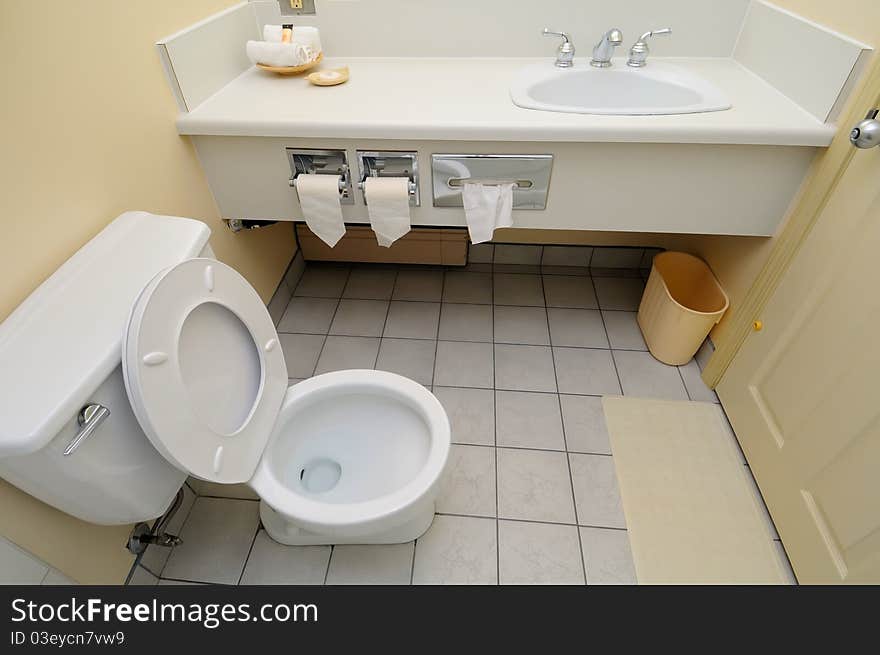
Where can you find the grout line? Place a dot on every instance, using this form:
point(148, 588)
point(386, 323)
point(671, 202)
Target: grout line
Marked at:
point(495, 444)
point(327, 568)
point(564, 439)
point(613, 360)
point(333, 318)
point(250, 551)
point(539, 522)
point(384, 327)
point(532, 449)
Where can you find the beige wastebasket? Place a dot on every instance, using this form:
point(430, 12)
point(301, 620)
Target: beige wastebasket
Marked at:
point(681, 303)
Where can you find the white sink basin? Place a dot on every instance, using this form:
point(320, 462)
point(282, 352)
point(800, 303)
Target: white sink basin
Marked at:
point(657, 89)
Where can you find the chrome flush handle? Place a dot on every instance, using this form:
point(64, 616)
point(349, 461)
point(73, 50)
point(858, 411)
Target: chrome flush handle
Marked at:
point(90, 417)
point(565, 54)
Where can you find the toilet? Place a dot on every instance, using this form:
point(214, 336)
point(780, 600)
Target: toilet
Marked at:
point(346, 457)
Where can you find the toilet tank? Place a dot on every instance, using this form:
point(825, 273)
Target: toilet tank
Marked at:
point(60, 350)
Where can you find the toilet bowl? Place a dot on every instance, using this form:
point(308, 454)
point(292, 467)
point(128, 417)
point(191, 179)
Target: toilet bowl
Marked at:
point(345, 457)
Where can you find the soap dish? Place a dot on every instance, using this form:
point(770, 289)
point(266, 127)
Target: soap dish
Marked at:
point(330, 77)
point(292, 70)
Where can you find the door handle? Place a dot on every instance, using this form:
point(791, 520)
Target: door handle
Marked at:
point(867, 133)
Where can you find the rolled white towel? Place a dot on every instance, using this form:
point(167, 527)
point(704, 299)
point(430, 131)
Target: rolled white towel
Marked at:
point(272, 33)
point(307, 36)
point(279, 54)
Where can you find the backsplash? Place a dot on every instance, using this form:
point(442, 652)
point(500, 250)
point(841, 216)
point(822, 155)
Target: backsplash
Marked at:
point(512, 28)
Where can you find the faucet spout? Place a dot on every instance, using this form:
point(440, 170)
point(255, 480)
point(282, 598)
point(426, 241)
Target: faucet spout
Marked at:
point(604, 50)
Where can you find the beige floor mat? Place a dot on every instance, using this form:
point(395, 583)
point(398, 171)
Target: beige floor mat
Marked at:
point(691, 515)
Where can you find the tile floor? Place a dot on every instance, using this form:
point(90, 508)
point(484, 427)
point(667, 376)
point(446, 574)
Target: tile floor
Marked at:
point(520, 361)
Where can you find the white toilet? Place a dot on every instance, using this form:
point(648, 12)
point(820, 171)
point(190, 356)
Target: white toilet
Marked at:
point(346, 457)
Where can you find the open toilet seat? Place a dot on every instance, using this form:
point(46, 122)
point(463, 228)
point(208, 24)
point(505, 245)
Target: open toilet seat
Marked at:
point(204, 371)
point(206, 378)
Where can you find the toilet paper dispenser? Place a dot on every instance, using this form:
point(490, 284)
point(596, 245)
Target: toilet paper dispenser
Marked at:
point(390, 164)
point(322, 162)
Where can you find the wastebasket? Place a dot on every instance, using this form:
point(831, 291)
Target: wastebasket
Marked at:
point(681, 303)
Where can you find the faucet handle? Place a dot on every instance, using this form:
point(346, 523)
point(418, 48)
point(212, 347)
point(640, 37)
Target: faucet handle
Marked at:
point(638, 54)
point(565, 54)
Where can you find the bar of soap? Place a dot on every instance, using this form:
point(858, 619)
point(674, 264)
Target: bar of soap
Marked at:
point(329, 77)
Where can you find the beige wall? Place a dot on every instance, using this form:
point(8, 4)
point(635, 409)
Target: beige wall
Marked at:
point(87, 125)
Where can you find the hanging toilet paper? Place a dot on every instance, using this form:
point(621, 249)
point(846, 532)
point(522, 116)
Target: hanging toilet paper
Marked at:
point(388, 205)
point(487, 207)
point(319, 199)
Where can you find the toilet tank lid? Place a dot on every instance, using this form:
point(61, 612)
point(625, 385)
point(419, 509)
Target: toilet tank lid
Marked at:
point(63, 341)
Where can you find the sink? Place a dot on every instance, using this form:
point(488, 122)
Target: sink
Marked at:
point(657, 89)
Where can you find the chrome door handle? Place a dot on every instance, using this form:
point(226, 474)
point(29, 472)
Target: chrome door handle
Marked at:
point(867, 133)
point(90, 417)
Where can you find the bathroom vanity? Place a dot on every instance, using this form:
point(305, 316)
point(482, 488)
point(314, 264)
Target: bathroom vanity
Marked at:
point(717, 171)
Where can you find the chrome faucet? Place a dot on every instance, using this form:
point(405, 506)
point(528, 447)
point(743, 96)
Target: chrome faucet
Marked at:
point(638, 54)
point(604, 50)
point(565, 54)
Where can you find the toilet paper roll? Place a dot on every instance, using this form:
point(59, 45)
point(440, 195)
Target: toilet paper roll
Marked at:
point(388, 205)
point(319, 199)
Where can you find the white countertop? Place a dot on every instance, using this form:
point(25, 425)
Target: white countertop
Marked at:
point(468, 99)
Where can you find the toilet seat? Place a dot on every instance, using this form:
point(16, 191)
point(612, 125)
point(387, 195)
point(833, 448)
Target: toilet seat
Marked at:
point(204, 370)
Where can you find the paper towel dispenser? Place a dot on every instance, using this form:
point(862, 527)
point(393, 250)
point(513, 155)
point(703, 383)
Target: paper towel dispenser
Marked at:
point(322, 162)
point(529, 173)
point(372, 163)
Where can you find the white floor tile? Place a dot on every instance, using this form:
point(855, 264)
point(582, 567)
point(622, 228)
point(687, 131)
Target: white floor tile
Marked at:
point(468, 484)
point(520, 290)
point(538, 553)
point(534, 486)
point(411, 358)
point(457, 550)
point(359, 318)
point(463, 322)
point(704, 354)
point(461, 287)
point(370, 284)
point(56, 578)
point(642, 376)
point(596, 492)
point(585, 371)
point(217, 537)
point(517, 254)
point(308, 315)
point(521, 325)
point(579, 328)
point(569, 291)
point(322, 282)
point(607, 557)
point(584, 422)
point(371, 565)
point(18, 567)
point(341, 353)
point(616, 257)
point(567, 256)
point(471, 414)
point(619, 293)
point(301, 353)
point(529, 420)
point(421, 285)
point(524, 368)
point(696, 388)
point(271, 563)
point(412, 320)
point(461, 364)
point(142, 578)
point(624, 332)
